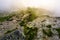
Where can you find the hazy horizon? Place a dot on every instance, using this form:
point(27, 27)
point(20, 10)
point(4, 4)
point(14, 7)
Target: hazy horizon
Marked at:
point(51, 5)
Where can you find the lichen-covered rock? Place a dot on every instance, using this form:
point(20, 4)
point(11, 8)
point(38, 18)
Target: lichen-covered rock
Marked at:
point(16, 35)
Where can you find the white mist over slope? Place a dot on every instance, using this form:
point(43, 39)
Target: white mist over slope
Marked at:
point(52, 5)
point(9, 5)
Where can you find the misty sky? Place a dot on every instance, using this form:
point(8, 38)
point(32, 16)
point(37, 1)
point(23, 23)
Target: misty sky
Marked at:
point(52, 5)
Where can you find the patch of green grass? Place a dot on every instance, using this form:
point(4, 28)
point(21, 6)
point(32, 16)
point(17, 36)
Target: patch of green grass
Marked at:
point(9, 31)
point(49, 26)
point(58, 30)
point(23, 23)
point(31, 17)
point(48, 33)
point(27, 19)
point(5, 18)
point(30, 33)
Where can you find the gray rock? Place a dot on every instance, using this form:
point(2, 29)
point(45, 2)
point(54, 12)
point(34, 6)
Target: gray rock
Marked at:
point(16, 35)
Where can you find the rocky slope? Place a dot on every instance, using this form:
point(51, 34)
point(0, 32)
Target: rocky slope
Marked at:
point(25, 25)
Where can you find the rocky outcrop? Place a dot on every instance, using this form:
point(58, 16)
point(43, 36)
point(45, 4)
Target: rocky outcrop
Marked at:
point(16, 35)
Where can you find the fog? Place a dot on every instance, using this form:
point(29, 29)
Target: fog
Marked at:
point(51, 5)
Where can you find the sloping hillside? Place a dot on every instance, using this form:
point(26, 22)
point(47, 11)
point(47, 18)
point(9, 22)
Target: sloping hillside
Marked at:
point(29, 24)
